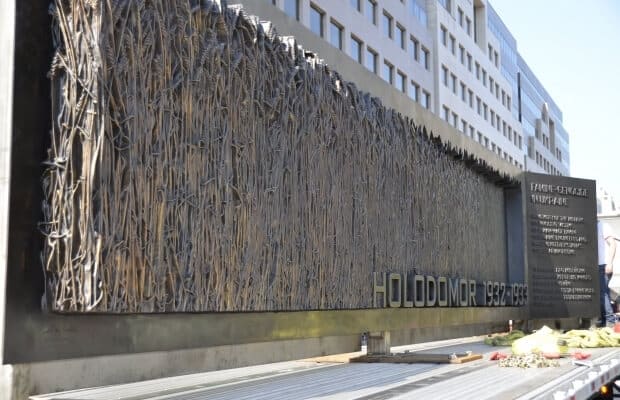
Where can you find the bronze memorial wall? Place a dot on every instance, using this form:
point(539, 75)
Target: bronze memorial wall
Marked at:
point(199, 162)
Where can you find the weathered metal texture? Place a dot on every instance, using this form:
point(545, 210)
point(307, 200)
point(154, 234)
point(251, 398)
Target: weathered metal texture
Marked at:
point(199, 162)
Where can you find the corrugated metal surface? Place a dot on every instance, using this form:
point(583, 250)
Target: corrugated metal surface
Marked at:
point(310, 380)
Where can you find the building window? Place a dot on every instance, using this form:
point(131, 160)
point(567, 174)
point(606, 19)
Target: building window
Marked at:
point(508, 102)
point(477, 70)
point(335, 34)
point(471, 132)
point(486, 111)
point(426, 99)
point(371, 59)
point(469, 62)
point(387, 25)
point(446, 114)
point(414, 91)
point(453, 45)
point(461, 16)
point(496, 57)
point(356, 49)
point(426, 58)
point(357, 4)
point(468, 26)
point(291, 8)
point(484, 77)
point(493, 118)
point(463, 92)
point(401, 82)
point(316, 20)
point(455, 121)
point(371, 12)
point(496, 90)
point(478, 105)
point(387, 72)
point(462, 54)
point(447, 4)
point(491, 84)
point(503, 98)
point(453, 82)
point(471, 98)
point(413, 48)
point(490, 53)
point(444, 36)
point(444, 75)
point(464, 126)
point(400, 36)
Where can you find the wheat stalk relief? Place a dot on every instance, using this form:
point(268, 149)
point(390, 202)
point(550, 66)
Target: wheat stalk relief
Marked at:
point(199, 162)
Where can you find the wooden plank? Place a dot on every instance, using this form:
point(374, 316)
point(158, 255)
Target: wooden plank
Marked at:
point(411, 358)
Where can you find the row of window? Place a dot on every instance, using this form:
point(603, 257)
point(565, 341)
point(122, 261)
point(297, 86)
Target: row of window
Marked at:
point(449, 80)
point(398, 33)
point(370, 10)
point(466, 59)
point(546, 165)
point(452, 118)
point(411, 89)
point(464, 22)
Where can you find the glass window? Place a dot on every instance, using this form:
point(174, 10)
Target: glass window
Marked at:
point(444, 36)
point(490, 53)
point(291, 8)
point(464, 126)
point(462, 54)
point(453, 82)
point(477, 71)
point(387, 25)
point(469, 62)
point(414, 91)
point(444, 75)
point(471, 98)
point(446, 114)
point(491, 85)
point(400, 36)
point(471, 131)
point(357, 4)
point(426, 99)
point(413, 48)
point(463, 92)
point(425, 58)
point(484, 77)
point(453, 45)
point(335, 34)
point(371, 60)
point(486, 111)
point(461, 15)
point(455, 120)
point(468, 25)
point(493, 118)
point(447, 4)
point(371, 12)
point(387, 72)
point(316, 20)
point(356, 49)
point(478, 105)
point(401, 82)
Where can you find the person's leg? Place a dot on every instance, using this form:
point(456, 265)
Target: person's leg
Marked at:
point(607, 313)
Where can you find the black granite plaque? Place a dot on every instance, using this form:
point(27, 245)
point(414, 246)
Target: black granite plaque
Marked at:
point(560, 225)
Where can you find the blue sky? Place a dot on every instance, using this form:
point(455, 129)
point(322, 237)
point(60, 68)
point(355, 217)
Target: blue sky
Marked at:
point(573, 47)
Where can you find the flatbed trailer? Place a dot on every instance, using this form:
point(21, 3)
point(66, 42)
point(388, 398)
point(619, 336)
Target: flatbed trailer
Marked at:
point(334, 377)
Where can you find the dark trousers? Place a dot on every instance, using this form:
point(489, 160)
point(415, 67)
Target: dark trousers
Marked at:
point(607, 313)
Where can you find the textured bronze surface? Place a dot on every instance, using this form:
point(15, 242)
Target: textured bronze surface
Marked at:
point(201, 163)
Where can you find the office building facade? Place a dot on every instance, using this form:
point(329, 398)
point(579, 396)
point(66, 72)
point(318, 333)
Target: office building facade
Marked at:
point(458, 60)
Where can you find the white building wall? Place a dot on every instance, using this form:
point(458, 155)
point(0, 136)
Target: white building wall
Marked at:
point(499, 130)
